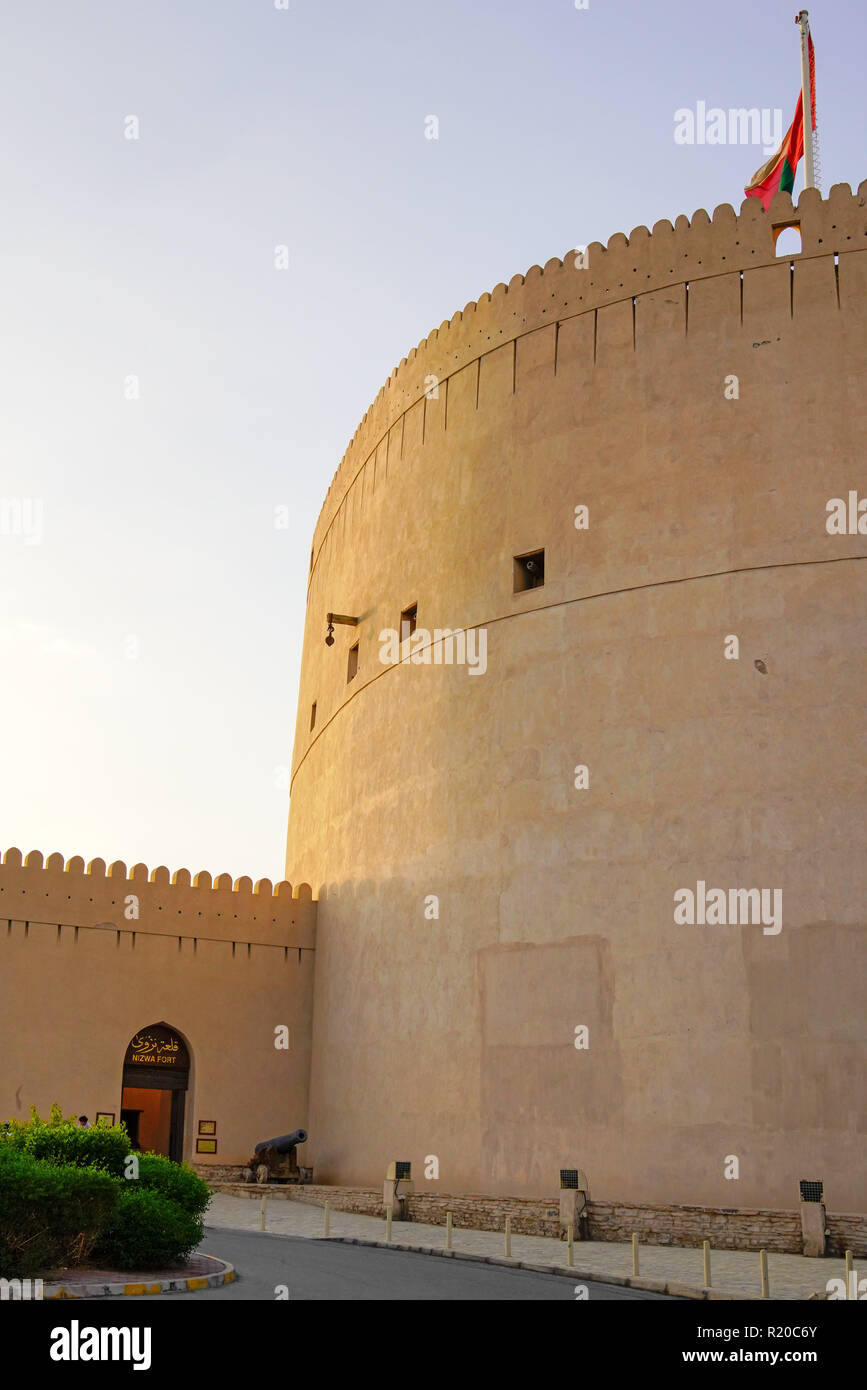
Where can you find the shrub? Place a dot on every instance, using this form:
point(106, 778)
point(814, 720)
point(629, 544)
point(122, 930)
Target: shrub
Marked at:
point(177, 1181)
point(64, 1197)
point(51, 1215)
point(147, 1231)
point(60, 1141)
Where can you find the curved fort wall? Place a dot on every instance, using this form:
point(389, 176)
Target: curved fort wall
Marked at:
point(89, 958)
point(476, 907)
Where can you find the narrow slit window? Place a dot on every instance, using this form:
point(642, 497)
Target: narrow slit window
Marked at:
point(352, 664)
point(408, 621)
point(312, 715)
point(529, 571)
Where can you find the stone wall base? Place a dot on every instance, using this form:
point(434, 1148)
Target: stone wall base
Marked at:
point(220, 1172)
point(727, 1228)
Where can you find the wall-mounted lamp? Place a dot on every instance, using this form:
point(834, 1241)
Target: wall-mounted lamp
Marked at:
point(331, 619)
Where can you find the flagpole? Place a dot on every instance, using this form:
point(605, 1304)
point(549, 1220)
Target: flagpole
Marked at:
point(803, 19)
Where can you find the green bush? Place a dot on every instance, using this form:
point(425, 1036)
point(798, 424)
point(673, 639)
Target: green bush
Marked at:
point(147, 1231)
point(60, 1141)
point(177, 1181)
point(51, 1215)
point(65, 1197)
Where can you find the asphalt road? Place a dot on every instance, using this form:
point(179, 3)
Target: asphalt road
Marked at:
point(323, 1269)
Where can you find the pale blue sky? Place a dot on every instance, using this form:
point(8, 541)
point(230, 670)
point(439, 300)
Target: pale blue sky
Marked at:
point(155, 258)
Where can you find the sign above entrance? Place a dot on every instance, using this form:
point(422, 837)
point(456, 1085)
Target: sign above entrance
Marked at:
point(157, 1046)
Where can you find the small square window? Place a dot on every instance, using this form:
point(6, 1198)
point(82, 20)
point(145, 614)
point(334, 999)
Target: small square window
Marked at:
point(352, 664)
point(529, 571)
point(408, 619)
point(812, 1191)
point(312, 714)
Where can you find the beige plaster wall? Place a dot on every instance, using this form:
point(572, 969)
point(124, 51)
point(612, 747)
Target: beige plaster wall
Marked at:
point(222, 964)
point(454, 1037)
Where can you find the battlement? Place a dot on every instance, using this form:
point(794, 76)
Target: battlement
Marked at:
point(692, 249)
point(68, 892)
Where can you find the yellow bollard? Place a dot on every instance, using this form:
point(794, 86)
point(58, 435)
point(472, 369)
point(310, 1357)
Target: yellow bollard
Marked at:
point(705, 1247)
point(262, 1212)
point(634, 1252)
point(326, 1222)
point(507, 1243)
point(570, 1244)
point(388, 1223)
point(448, 1230)
point(763, 1264)
point(849, 1274)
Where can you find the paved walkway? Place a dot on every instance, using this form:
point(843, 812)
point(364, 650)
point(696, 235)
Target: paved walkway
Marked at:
point(732, 1271)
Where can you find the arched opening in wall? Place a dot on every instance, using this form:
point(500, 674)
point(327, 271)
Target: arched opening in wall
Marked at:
point(787, 239)
point(156, 1076)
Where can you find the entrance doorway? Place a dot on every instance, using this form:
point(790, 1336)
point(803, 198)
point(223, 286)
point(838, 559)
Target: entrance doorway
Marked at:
point(156, 1073)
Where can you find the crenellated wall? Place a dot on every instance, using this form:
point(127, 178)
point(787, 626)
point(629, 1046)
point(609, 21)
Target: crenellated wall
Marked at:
point(89, 958)
point(619, 281)
point(173, 903)
point(453, 1035)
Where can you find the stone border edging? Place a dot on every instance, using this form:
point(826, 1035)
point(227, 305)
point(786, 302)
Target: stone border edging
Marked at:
point(670, 1287)
point(179, 1284)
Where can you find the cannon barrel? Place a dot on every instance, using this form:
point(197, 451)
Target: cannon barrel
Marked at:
point(284, 1143)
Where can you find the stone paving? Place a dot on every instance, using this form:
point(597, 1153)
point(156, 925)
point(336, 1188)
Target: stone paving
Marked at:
point(732, 1271)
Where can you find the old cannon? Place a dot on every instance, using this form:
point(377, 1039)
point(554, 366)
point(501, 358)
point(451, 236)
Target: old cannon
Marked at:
point(276, 1160)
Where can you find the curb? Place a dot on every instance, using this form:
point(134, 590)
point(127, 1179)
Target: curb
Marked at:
point(224, 1275)
point(670, 1287)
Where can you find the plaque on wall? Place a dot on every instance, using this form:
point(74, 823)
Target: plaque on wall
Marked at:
point(206, 1146)
point(207, 1126)
point(107, 1115)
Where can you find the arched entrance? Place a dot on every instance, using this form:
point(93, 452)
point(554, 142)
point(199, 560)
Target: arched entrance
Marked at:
point(156, 1073)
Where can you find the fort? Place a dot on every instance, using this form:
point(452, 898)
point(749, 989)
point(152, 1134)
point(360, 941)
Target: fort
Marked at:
point(606, 387)
point(609, 387)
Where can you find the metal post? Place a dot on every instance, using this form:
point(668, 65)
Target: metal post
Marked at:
point(849, 1275)
point(634, 1252)
point(262, 1212)
point(326, 1222)
point(448, 1230)
point(705, 1248)
point(507, 1243)
point(806, 105)
point(763, 1264)
point(570, 1244)
point(388, 1222)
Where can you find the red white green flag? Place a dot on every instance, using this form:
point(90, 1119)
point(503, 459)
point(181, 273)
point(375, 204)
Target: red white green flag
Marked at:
point(778, 174)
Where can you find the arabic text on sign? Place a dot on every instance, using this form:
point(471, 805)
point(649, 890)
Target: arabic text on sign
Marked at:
point(145, 1049)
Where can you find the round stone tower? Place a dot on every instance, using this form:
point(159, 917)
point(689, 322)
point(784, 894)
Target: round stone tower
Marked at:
point(590, 869)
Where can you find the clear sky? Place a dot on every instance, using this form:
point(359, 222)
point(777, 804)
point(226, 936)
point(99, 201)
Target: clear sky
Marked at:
point(150, 613)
